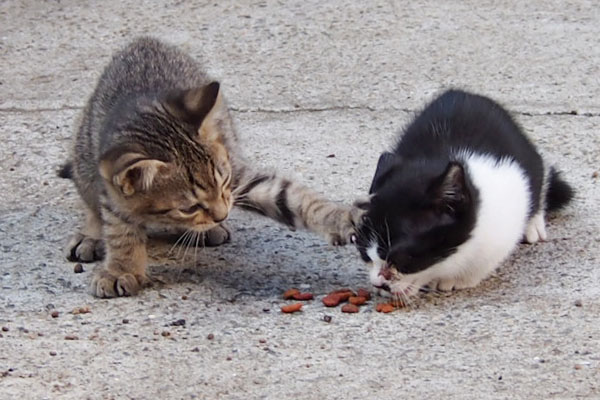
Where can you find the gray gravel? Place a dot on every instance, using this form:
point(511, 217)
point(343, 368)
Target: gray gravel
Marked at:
point(305, 80)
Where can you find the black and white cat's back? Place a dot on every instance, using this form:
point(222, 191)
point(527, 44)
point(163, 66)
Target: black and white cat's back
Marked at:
point(460, 189)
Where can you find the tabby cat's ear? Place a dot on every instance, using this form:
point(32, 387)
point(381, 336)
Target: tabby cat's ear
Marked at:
point(131, 172)
point(385, 164)
point(203, 107)
point(451, 188)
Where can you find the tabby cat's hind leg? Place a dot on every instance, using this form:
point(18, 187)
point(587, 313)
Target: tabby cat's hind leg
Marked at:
point(87, 245)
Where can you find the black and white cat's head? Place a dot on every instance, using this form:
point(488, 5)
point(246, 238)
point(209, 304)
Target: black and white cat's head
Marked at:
point(417, 215)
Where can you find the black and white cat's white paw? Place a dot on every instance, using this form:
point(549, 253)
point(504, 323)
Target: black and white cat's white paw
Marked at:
point(450, 284)
point(536, 229)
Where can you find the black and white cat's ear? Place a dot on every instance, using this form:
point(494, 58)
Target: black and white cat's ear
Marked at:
point(451, 187)
point(386, 162)
point(131, 172)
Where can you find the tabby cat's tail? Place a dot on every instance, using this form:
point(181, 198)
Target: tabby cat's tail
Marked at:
point(559, 194)
point(66, 170)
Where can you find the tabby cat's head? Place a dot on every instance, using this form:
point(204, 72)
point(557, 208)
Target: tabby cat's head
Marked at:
point(170, 165)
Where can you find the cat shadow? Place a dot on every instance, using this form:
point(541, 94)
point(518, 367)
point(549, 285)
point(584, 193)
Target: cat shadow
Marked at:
point(231, 270)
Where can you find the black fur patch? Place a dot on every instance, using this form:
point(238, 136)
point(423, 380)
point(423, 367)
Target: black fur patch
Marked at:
point(560, 193)
point(66, 171)
point(287, 217)
point(252, 184)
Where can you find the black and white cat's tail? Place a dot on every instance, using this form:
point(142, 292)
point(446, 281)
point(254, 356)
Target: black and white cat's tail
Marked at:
point(65, 171)
point(559, 192)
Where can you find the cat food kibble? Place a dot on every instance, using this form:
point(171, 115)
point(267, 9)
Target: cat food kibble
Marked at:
point(291, 308)
point(331, 300)
point(357, 300)
point(364, 293)
point(385, 308)
point(290, 293)
point(303, 296)
point(349, 308)
point(344, 291)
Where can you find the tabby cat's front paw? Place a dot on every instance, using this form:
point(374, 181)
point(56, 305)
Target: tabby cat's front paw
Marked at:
point(82, 248)
point(217, 236)
point(105, 284)
point(346, 222)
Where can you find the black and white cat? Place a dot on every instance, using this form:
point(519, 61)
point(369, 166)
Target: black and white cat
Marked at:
point(462, 187)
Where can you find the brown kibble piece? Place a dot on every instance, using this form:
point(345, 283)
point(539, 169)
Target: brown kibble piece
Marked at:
point(357, 300)
point(364, 293)
point(81, 310)
point(595, 174)
point(78, 268)
point(291, 308)
point(54, 314)
point(210, 336)
point(384, 308)
point(349, 308)
point(331, 300)
point(344, 296)
point(290, 293)
point(303, 296)
point(344, 291)
point(71, 337)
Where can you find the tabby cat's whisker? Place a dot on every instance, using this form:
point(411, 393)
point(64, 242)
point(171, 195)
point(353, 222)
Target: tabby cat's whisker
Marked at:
point(198, 236)
point(177, 242)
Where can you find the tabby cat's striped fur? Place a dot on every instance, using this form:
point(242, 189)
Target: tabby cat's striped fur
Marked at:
point(156, 146)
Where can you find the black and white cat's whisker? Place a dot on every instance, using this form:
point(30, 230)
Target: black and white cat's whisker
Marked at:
point(389, 241)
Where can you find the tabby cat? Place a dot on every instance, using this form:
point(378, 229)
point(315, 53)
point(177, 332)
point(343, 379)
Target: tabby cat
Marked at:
point(156, 146)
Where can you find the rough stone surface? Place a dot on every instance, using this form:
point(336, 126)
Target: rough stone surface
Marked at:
point(306, 80)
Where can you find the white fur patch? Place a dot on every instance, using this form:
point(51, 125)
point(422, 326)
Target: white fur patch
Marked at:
point(376, 265)
point(536, 228)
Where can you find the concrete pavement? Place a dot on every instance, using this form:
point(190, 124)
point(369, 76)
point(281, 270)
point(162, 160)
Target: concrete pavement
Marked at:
point(305, 80)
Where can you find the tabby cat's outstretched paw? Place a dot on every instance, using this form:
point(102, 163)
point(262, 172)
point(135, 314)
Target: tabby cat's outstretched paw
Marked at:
point(346, 221)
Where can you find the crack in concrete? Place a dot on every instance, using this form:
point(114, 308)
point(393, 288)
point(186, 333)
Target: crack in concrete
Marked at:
point(19, 110)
